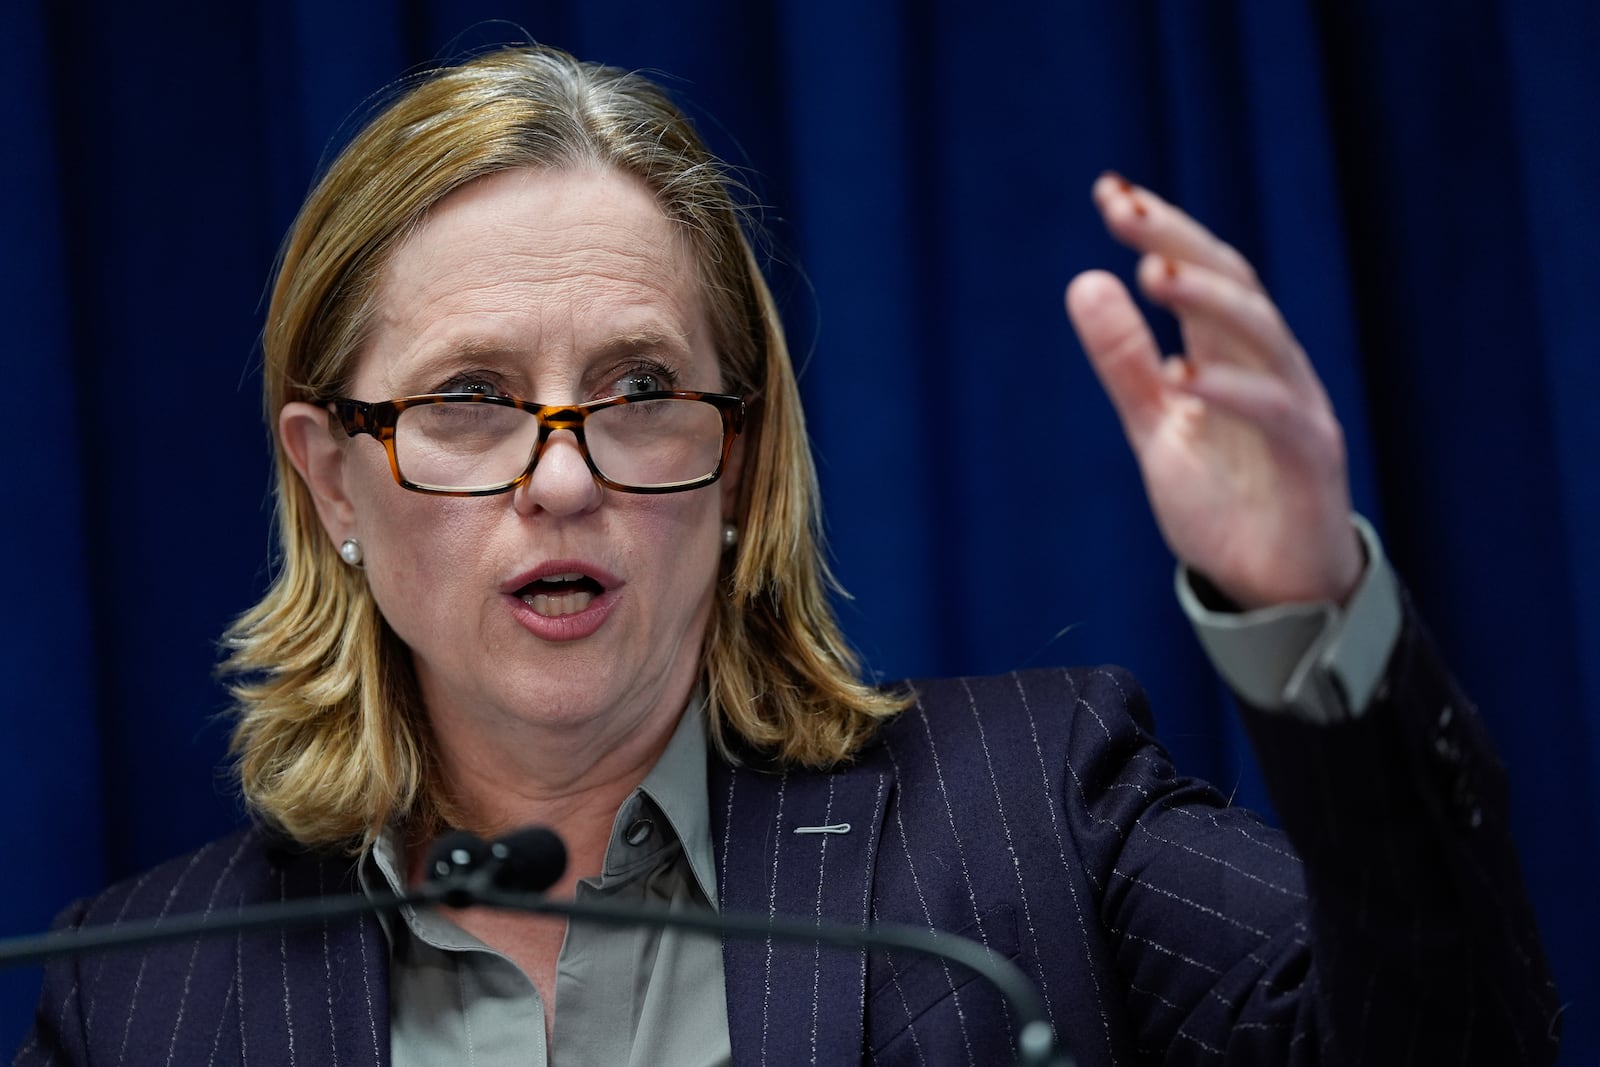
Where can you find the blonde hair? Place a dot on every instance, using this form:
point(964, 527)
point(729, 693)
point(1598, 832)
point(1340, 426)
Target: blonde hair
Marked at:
point(331, 742)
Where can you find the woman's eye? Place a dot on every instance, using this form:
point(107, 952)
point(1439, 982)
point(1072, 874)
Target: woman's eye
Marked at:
point(466, 384)
point(641, 382)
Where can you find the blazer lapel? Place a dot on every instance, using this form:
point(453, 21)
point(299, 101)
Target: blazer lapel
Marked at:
point(798, 845)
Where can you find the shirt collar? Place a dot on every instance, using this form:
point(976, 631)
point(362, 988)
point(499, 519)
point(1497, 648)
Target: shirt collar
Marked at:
point(677, 787)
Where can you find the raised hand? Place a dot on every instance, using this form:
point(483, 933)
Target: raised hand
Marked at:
point(1242, 457)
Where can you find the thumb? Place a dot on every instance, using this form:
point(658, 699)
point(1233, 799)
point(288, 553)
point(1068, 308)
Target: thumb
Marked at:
point(1121, 349)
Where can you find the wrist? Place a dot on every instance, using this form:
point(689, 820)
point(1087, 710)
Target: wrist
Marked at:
point(1332, 578)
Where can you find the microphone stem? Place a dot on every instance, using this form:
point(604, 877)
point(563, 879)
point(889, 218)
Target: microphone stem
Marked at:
point(19, 951)
point(1036, 1040)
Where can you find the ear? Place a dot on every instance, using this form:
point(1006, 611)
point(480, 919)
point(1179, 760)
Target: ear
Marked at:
point(319, 458)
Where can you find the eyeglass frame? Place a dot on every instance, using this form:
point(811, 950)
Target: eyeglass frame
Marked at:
point(378, 418)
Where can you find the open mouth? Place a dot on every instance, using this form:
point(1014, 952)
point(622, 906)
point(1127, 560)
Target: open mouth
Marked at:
point(556, 595)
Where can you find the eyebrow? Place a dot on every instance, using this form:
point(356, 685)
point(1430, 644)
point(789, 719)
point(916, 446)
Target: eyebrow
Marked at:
point(418, 374)
point(420, 370)
point(627, 342)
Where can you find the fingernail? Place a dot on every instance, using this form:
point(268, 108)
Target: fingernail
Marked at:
point(1178, 370)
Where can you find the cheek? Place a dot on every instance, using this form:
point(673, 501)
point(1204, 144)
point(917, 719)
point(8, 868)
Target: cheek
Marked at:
point(680, 546)
point(395, 524)
point(421, 554)
point(436, 541)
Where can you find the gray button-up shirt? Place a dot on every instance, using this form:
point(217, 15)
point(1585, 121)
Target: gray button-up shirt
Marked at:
point(629, 995)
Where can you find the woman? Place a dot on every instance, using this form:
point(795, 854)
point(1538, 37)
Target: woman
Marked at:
point(572, 579)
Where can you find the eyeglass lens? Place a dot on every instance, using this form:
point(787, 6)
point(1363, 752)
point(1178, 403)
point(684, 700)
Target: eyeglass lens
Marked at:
point(648, 444)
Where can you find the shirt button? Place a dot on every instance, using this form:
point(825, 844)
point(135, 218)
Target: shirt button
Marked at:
point(638, 832)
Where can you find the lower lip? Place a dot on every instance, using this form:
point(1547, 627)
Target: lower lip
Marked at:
point(574, 627)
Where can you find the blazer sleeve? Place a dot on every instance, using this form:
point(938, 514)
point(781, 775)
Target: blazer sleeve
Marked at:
point(1390, 927)
point(1427, 943)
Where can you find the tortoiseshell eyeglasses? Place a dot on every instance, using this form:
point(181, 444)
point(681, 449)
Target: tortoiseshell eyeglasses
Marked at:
point(475, 444)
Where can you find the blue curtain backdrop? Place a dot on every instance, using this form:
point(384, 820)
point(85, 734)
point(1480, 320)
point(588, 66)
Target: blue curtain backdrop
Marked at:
point(1417, 182)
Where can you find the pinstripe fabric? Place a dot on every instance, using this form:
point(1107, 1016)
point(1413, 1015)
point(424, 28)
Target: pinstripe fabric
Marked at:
point(1032, 812)
point(316, 995)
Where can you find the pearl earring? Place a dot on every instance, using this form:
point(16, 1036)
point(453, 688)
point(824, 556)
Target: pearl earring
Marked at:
point(350, 551)
point(730, 535)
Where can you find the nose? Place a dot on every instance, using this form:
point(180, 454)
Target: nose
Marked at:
point(561, 482)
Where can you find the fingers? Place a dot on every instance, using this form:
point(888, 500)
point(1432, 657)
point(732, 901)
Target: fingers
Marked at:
point(1146, 223)
point(1224, 321)
point(1227, 315)
point(1260, 400)
point(1121, 349)
point(1239, 354)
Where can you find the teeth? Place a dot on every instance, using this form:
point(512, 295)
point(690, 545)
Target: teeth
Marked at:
point(553, 606)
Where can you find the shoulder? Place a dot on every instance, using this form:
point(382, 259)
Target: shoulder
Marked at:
point(198, 996)
point(1105, 701)
point(250, 866)
point(1103, 683)
point(1075, 736)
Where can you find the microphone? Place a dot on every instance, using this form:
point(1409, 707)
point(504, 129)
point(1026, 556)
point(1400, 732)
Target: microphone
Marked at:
point(454, 858)
point(531, 859)
point(463, 865)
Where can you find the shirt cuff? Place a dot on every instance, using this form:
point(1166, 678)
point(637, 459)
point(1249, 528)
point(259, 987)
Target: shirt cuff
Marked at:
point(1313, 661)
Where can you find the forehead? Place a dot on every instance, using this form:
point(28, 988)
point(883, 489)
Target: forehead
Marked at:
point(549, 265)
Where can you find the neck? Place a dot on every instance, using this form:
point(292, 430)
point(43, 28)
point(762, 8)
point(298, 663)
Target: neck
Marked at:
point(571, 779)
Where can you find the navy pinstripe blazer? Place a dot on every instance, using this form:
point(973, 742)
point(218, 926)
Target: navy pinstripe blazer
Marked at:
point(1033, 812)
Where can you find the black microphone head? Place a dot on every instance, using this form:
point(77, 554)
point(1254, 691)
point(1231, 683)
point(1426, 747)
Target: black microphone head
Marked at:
point(456, 853)
point(531, 859)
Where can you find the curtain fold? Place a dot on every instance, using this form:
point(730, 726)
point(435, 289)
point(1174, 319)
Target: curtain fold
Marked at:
point(50, 764)
point(1415, 183)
